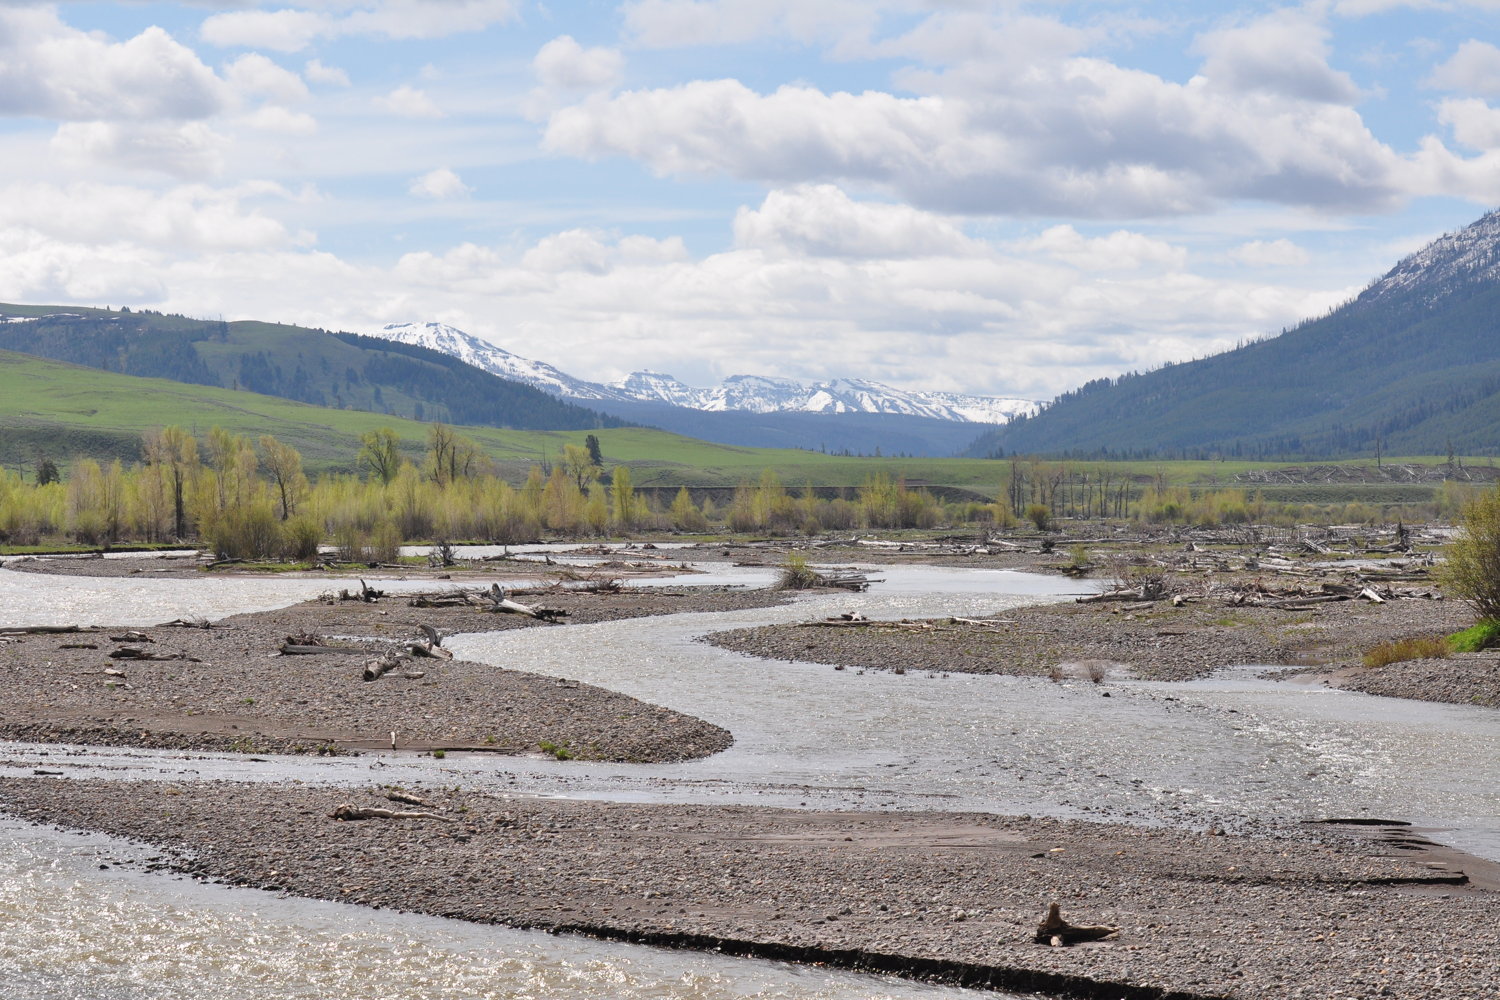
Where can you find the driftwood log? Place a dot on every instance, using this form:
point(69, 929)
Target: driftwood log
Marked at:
point(348, 811)
point(376, 669)
point(137, 653)
point(1057, 932)
point(366, 593)
point(431, 646)
point(45, 629)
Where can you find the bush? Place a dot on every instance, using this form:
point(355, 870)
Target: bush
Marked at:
point(1472, 568)
point(300, 538)
point(1039, 515)
point(1484, 635)
point(797, 574)
point(1430, 648)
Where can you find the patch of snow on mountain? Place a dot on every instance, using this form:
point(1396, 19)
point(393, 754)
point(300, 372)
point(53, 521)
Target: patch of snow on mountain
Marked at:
point(1471, 254)
point(487, 357)
point(743, 393)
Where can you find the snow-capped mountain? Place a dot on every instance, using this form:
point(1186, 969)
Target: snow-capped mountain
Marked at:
point(744, 393)
point(1470, 255)
point(487, 357)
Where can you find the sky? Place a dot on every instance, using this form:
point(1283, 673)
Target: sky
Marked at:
point(1001, 198)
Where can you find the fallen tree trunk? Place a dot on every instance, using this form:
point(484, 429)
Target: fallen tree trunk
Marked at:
point(1057, 932)
point(137, 653)
point(347, 811)
point(45, 629)
point(376, 669)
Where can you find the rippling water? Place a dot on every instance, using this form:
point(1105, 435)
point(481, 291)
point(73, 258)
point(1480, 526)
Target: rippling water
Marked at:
point(69, 930)
point(1235, 747)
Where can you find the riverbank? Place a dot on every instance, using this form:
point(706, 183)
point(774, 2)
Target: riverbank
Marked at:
point(1161, 642)
point(228, 687)
point(946, 896)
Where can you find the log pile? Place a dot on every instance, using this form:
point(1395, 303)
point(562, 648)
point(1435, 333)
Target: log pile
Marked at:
point(494, 600)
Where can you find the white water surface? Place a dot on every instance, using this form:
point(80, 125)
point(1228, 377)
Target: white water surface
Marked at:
point(1232, 749)
point(79, 920)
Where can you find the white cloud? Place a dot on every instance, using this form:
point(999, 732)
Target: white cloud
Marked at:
point(823, 221)
point(1119, 250)
point(1474, 69)
point(188, 150)
point(441, 184)
point(292, 30)
point(273, 118)
point(253, 75)
point(1285, 53)
point(181, 220)
point(1474, 123)
point(319, 73)
point(674, 23)
point(409, 102)
point(51, 70)
point(563, 64)
point(1085, 139)
point(1269, 253)
point(1031, 317)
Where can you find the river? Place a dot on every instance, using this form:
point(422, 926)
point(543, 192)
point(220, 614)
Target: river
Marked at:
point(1234, 750)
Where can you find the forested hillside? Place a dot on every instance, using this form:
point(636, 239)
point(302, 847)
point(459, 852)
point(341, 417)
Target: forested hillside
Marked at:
point(345, 371)
point(1411, 366)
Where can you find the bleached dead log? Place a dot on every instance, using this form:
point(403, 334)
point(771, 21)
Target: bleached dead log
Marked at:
point(132, 636)
point(376, 669)
point(45, 629)
point(1369, 594)
point(1057, 932)
point(348, 811)
point(405, 797)
point(137, 653)
point(365, 594)
point(187, 623)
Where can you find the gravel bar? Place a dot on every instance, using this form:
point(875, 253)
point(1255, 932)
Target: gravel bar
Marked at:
point(943, 896)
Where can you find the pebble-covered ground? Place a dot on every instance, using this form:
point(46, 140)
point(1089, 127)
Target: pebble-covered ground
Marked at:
point(235, 692)
point(1162, 643)
point(936, 894)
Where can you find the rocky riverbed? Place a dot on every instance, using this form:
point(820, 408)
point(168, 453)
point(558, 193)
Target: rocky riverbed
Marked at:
point(1160, 643)
point(946, 896)
point(228, 687)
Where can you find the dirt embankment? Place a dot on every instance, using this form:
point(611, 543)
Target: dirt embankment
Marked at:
point(946, 896)
point(230, 690)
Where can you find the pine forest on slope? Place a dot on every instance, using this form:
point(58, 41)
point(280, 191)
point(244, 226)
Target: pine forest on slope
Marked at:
point(343, 370)
point(1410, 366)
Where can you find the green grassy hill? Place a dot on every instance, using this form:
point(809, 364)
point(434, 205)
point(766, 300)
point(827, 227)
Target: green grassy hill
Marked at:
point(311, 366)
point(65, 411)
point(68, 411)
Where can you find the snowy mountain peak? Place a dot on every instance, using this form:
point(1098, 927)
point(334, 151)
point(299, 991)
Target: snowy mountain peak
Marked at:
point(497, 361)
point(1469, 255)
point(745, 393)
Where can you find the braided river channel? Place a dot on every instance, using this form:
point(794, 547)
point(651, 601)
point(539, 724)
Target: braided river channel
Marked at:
point(78, 919)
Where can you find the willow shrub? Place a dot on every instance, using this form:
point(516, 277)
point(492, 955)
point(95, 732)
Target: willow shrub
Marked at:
point(1472, 568)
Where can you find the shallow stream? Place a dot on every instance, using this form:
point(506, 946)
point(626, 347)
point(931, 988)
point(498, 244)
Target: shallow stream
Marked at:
point(1235, 751)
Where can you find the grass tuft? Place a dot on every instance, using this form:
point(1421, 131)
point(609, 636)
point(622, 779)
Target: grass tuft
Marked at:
point(1484, 635)
point(1429, 648)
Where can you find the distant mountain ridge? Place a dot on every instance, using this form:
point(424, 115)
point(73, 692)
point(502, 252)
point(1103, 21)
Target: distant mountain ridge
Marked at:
point(743, 393)
point(340, 370)
point(1410, 366)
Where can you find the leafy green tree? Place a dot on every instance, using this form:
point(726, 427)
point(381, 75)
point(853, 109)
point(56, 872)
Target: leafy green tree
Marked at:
point(284, 465)
point(595, 455)
point(379, 454)
point(1472, 568)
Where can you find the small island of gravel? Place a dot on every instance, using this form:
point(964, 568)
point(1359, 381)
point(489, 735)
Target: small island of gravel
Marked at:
point(227, 686)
